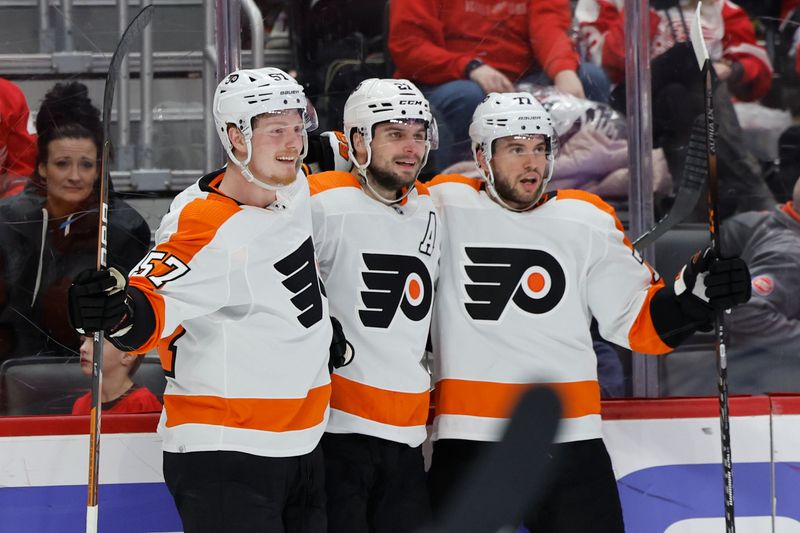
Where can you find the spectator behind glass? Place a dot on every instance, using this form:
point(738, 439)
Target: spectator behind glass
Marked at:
point(764, 352)
point(460, 51)
point(790, 26)
point(120, 394)
point(17, 140)
point(48, 233)
point(677, 92)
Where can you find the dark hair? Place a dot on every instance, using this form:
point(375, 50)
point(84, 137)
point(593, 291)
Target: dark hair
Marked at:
point(66, 113)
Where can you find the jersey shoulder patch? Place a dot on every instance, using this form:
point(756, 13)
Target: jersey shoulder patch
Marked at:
point(332, 179)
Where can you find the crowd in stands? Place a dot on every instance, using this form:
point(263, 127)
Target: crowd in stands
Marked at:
point(570, 55)
point(48, 229)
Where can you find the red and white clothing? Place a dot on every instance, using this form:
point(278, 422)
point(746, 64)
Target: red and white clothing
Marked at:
point(17, 140)
point(516, 295)
point(788, 9)
point(240, 323)
point(135, 400)
point(379, 264)
point(728, 33)
point(431, 41)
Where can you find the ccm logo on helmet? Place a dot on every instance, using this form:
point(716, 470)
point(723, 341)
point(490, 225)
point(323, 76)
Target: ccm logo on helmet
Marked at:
point(394, 281)
point(300, 269)
point(410, 102)
point(532, 279)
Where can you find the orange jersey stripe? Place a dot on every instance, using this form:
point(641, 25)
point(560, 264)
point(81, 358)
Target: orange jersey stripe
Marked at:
point(198, 223)
point(497, 400)
point(404, 409)
point(475, 183)
point(332, 179)
point(276, 414)
point(167, 351)
point(573, 194)
point(643, 337)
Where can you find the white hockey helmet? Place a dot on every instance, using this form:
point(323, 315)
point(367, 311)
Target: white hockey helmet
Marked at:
point(507, 115)
point(382, 100)
point(245, 94)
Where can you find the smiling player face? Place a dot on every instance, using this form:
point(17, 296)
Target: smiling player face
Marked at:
point(398, 148)
point(277, 144)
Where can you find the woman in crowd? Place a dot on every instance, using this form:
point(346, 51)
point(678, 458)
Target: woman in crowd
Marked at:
point(48, 233)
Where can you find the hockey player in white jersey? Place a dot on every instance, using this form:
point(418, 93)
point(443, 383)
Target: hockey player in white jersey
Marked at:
point(376, 234)
point(231, 298)
point(522, 275)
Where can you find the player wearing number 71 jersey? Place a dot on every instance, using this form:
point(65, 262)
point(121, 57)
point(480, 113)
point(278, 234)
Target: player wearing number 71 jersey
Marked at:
point(230, 296)
point(377, 238)
point(522, 275)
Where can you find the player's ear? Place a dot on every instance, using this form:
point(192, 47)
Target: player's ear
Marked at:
point(482, 164)
point(359, 147)
point(236, 137)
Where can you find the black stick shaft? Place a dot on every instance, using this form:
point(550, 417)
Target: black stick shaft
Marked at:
point(131, 33)
point(722, 358)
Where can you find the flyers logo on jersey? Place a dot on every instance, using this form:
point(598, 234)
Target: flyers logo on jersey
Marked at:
point(394, 281)
point(532, 279)
point(300, 269)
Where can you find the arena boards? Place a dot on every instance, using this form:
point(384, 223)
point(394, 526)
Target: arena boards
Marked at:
point(665, 452)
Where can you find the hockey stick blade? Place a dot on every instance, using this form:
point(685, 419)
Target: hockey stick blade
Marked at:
point(695, 170)
point(511, 476)
point(130, 36)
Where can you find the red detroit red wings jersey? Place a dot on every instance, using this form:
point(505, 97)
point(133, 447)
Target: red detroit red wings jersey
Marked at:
point(379, 264)
point(516, 295)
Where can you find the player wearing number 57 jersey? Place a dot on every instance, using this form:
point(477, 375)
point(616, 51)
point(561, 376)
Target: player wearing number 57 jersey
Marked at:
point(230, 296)
point(522, 275)
point(376, 234)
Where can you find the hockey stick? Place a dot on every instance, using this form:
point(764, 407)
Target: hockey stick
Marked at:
point(505, 482)
point(707, 69)
point(130, 35)
point(695, 170)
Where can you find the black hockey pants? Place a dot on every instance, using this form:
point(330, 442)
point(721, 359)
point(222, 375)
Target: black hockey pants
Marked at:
point(581, 496)
point(234, 492)
point(374, 485)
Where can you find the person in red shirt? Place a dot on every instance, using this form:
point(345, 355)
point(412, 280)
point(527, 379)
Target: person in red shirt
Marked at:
point(17, 140)
point(459, 51)
point(120, 394)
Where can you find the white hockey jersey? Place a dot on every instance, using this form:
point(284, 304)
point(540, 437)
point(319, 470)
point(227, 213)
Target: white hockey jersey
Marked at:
point(242, 326)
point(516, 295)
point(379, 265)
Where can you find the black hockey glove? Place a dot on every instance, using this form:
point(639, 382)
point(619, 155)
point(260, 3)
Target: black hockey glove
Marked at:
point(97, 302)
point(341, 351)
point(708, 284)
